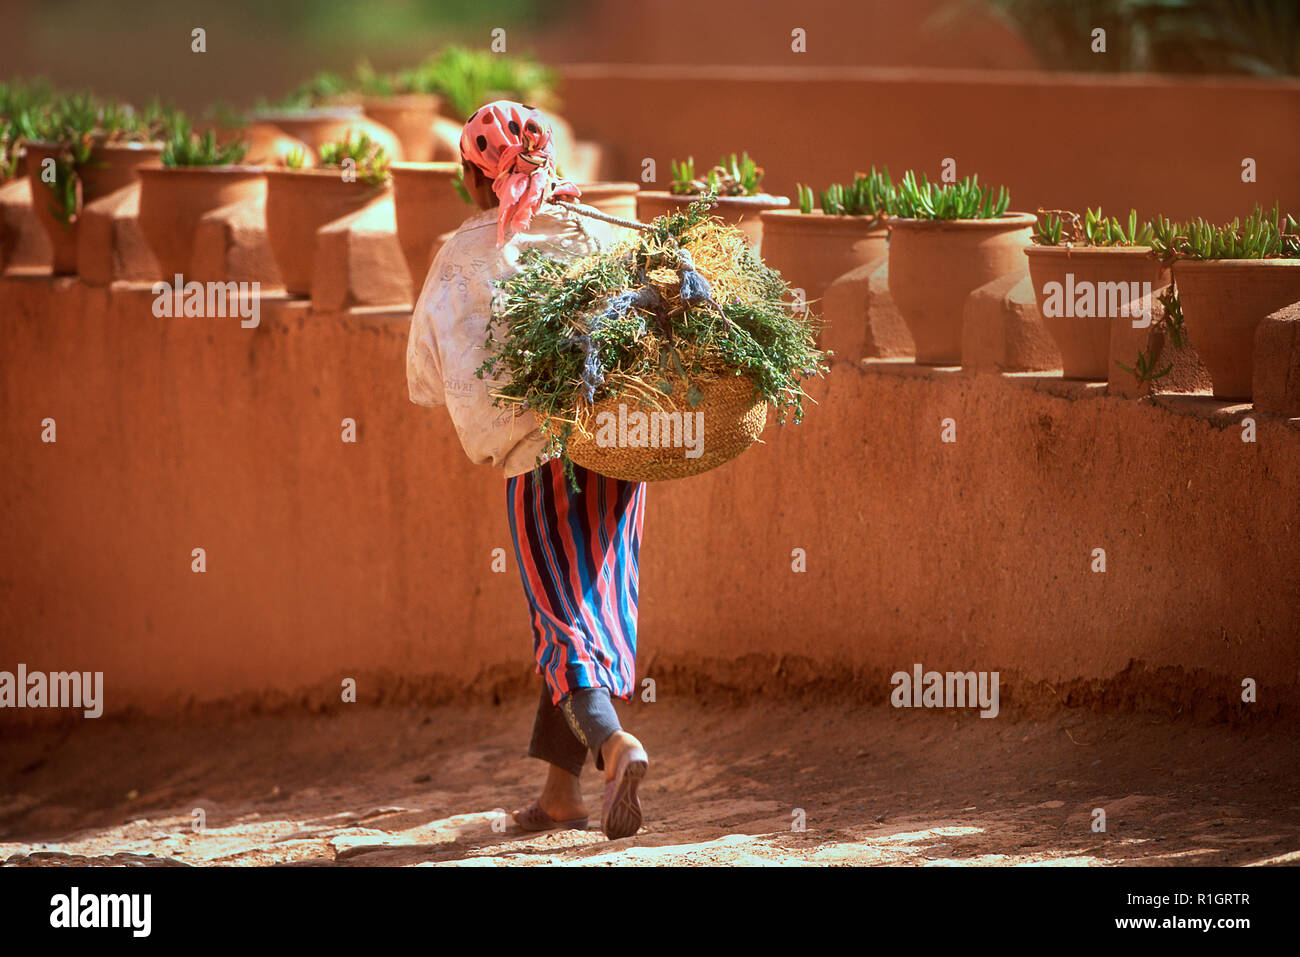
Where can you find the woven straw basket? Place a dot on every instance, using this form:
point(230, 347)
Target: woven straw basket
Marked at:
point(731, 422)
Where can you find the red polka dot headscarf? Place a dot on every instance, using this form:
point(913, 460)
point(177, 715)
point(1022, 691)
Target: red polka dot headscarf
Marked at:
point(511, 144)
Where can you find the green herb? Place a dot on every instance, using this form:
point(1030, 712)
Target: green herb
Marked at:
point(913, 199)
point(296, 158)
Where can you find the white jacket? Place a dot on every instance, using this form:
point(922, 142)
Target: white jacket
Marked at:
point(450, 326)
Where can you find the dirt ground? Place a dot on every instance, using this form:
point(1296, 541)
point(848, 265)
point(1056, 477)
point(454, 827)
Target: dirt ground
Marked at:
point(407, 786)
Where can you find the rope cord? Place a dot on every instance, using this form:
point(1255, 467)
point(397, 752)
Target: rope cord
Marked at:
point(603, 217)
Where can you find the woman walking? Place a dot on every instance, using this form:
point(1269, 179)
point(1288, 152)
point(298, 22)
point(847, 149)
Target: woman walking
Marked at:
point(577, 550)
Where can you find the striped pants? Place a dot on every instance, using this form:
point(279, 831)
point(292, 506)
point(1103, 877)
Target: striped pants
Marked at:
point(577, 554)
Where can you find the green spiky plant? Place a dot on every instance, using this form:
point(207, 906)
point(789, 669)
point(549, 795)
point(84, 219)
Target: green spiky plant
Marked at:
point(368, 158)
point(21, 102)
point(1049, 227)
point(921, 199)
point(1061, 227)
point(867, 195)
point(185, 148)
point(1144, 369)
point(466, 79)
point(732, 176)
point(804, 195)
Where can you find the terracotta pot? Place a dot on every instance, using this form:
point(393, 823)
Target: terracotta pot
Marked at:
point(935, 264)
point(1110, 273)
point(740, 211)
point(174, 199)
point(318, 127)
point(410, 116)
point(9, 232)
point(299, 202)
point(812, 250)
point(446, 139)
point(109, 169)
point(617, 199)
point(428, 207)
point(268, 145)
point(1223, 301)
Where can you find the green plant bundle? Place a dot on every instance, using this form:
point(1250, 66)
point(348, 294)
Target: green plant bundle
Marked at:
point(913, 199)
point(558, 321)
point(732, 176)
point(185, 148)
point(1061, 227)
point(367, 157)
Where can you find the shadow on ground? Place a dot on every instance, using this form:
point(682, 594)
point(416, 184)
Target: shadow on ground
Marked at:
point(727, 786)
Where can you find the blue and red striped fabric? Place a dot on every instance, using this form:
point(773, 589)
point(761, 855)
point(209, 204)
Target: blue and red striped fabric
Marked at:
point(577, 555)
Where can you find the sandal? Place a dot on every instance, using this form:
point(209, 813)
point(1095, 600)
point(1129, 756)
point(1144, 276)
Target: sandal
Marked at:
point(535, 819)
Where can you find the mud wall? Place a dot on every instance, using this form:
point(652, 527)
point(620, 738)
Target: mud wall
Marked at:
point(1163, 145)
point(327, 559)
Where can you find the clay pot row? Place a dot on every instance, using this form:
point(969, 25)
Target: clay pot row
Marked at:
point(110, 168)
point(1223, 302)
point(933, 265)
point(287, 208)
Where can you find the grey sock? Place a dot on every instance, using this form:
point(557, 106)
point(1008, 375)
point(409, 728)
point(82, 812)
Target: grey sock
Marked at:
point(592, 718)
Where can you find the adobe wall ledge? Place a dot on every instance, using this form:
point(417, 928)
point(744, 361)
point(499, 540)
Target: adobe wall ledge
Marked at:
point(1220, 412)
point(861, 540)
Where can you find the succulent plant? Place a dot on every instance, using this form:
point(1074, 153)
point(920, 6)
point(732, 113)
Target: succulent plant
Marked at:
point(913, 199)
point(75, 123)
point(1262, 235)
point(368, 158)
point(1061, 227)
point(732, 176)
point(185, 148)
point(867, 195)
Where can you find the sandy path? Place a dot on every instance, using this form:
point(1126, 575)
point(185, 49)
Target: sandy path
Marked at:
point(406, 786)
